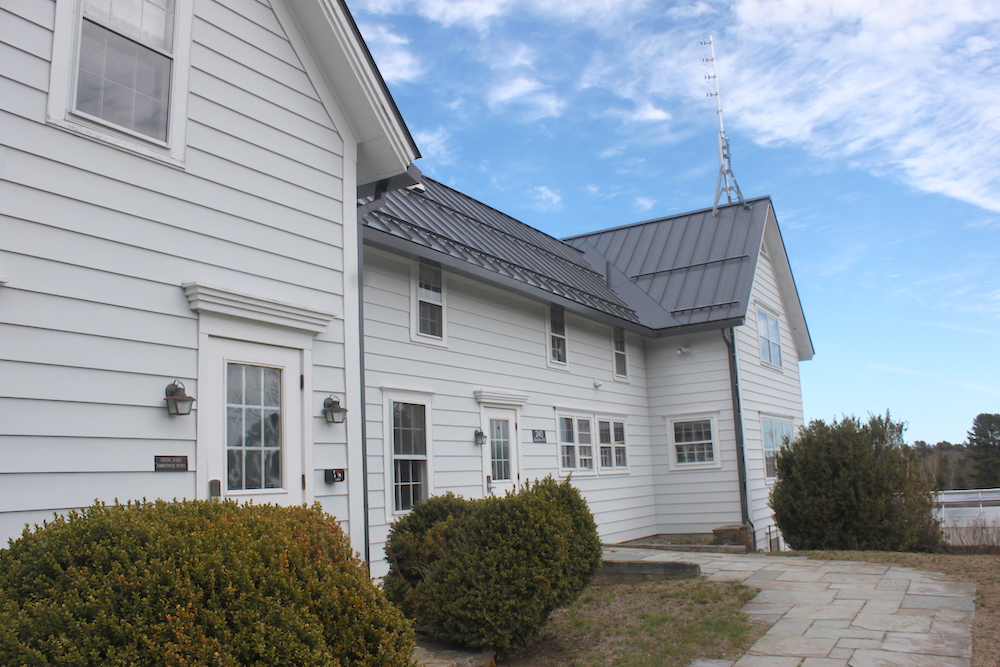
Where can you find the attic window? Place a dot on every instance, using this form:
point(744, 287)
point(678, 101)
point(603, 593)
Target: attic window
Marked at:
point(557, 335)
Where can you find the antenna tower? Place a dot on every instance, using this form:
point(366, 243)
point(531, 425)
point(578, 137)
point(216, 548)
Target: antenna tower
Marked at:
point(725, 167)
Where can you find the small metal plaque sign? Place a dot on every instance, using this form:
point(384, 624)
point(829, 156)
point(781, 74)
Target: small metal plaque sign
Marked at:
point(170, 463)
point(537, 435)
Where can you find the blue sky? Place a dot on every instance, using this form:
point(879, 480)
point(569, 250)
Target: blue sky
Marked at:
point(875, 128)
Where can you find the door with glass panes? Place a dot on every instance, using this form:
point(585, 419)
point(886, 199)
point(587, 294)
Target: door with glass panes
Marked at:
point(500, 453)
point(251, 402)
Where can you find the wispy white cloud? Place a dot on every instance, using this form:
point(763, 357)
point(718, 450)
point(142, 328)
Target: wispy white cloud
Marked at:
point(643, 204)
point(396, 62)
point(434, 145)
point(529, 96)
point(545, 199)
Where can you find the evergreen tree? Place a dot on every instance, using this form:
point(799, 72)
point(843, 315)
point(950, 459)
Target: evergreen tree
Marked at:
point(853, 485)
point(984, 450)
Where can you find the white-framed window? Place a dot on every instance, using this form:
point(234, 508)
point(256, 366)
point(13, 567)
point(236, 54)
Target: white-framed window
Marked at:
point(120, 71)
point(578, 435)
point(775, 434)
point(769, 333)
point(694, 442)
point(620, 352)
point(556, 329)
point(428, 319)
point(409, 436)
point(253, 427)
point(611, 444)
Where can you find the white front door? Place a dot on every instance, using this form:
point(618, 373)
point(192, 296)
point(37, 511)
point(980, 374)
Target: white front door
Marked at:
point(500, 454)
point(251, 402)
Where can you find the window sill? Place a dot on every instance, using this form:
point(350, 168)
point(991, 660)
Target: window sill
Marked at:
point(108, 137)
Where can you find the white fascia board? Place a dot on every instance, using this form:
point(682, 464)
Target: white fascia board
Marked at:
point(786, 283)
point(385, 147)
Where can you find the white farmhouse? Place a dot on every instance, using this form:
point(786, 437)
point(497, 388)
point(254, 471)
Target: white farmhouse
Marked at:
point(179, 188)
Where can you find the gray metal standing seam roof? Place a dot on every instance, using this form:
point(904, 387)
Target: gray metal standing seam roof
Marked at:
point(689, 270)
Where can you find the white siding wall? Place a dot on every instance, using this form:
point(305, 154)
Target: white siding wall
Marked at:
point(498, 342)
point(766, 390)
point(692, 384)
point(95, 243)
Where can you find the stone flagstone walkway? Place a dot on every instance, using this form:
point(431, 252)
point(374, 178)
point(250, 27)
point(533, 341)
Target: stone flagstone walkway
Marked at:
point(840, 613)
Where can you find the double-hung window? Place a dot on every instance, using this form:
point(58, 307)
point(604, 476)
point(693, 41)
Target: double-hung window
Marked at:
point(611, 438)
point(409, 454)
point(119, 73)
point(620, 353)
point(693, 442)
point(557, 335)
point(776, 434)
point(769, 334)
point(428, 298)
point(577, 440)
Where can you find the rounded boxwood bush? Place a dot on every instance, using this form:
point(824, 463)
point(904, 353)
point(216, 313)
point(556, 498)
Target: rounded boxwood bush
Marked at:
point(487, 573)
point(194, 583)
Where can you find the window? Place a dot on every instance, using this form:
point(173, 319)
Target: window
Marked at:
point(776, 434)
point(428, 317)
point(253, 427)
point(124, 64)
point(621, 357)
point(409, 454)
point(557, 335)
point(611, 436)
point(693, 440)
point(770, 338)
point(576, 442)
point(119, 73)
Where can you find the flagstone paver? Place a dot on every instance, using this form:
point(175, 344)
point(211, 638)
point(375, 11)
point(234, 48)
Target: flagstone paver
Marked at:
point(841, 613)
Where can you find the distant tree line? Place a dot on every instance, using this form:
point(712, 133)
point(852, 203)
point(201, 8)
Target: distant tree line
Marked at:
point(973, 464)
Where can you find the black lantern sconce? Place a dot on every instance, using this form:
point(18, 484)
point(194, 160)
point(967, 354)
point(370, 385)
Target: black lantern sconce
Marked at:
point(480, 437)
point(178, 402)
point(332, 410)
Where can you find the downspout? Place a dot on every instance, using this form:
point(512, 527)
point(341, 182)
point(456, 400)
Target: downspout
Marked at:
point(364, 389)
point(729, 336)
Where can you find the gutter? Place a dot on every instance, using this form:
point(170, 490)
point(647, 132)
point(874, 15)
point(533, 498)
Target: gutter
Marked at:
point(729, 337)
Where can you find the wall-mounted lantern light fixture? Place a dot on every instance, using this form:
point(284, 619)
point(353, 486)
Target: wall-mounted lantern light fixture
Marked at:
point(480, 437)
point(178, 402)
point(332, 410)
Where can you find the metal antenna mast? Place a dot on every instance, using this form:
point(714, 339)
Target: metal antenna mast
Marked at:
point(725, 167)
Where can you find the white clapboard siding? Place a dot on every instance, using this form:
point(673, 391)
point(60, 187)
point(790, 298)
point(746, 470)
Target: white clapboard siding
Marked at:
point(96, 243)
point(497, 341)
point(54, 454)
point(766, 390)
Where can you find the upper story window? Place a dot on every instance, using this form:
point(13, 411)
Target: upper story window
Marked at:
point(428, 298)
point(770, 338)
point(557, 335)
point(620, 353)
point(776, 434)
point(119, 73)
point(124, 64)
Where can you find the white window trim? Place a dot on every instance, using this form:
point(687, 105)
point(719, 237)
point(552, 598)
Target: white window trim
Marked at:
point(62, 84)
point(552, 363)
point(615, 352)
point(776, 419)
point(672, 463)
point(615, 469)
point(772, 314)
point(594, 419)
point(415, 334)
point(403, 396)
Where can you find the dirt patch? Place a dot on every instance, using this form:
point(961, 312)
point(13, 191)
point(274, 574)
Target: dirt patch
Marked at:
point(661, 624)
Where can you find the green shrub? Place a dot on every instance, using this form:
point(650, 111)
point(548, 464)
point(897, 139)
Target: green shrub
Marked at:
point(487, 573)
point(848, 485)
point(194, 583)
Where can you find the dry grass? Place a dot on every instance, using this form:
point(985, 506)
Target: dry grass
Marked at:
point(656, 624)
point(981, 570)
